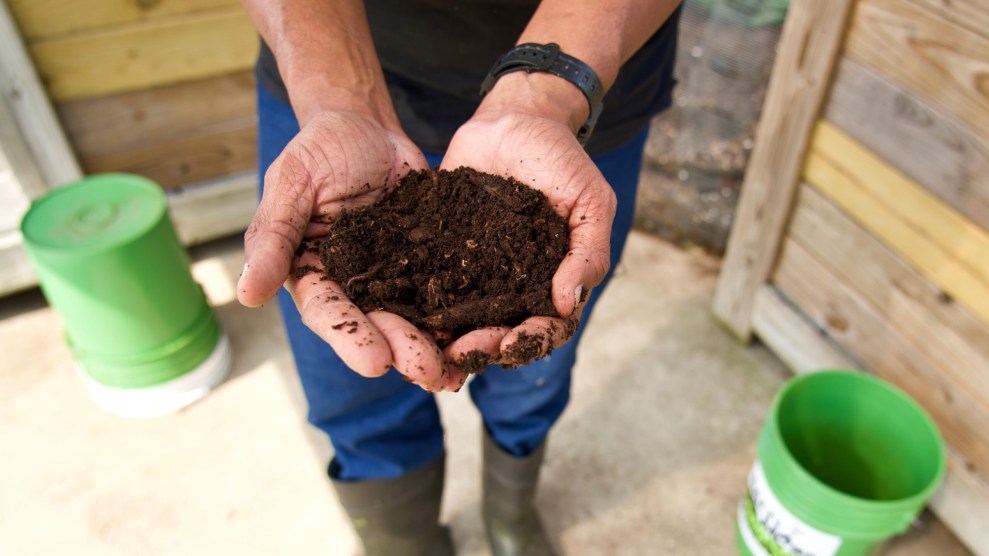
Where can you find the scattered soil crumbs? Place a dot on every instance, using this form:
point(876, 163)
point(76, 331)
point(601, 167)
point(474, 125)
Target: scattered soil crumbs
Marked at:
point(450, 251)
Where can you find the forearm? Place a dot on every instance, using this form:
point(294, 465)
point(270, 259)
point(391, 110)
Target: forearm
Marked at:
point(325, 55)
point(603, 34)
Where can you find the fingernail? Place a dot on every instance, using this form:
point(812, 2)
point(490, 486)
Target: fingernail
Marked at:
point(577, 293)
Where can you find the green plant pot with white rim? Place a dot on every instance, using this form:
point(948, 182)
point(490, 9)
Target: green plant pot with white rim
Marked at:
point(110, 263)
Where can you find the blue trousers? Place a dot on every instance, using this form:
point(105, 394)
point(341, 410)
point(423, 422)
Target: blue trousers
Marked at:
point(384, 427)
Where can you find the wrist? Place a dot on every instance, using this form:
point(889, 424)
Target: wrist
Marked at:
point(537, 94)
point(326, 57)
point(312, 97)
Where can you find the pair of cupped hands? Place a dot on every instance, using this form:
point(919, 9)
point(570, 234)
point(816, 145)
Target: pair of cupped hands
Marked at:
point(327, 167)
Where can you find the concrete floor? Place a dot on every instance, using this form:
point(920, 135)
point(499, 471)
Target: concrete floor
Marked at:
point(649, 459)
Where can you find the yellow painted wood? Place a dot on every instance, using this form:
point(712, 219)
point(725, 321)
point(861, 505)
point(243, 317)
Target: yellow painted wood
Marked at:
point(941, 61)
point(864, 332)
point(971, 14)
point(946, 247)
point(920, 140)
point(45, 19)
point(808, 47)
point(147, 54)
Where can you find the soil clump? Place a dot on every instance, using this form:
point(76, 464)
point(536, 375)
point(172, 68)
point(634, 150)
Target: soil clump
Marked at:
point(450, 251)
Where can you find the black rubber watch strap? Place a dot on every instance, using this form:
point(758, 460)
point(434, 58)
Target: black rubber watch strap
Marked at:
point(530, 57)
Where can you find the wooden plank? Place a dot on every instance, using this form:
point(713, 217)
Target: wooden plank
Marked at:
point(865, 333)
point(949, 335)
point(23, 95)
point(942, 62)
point(214, 209)
point(962, 502)
point(801, 75)
point(804, 348)
point(147, 54)
point(210, 153)
point(17, 160)
point(927, 145)
point(971, 14)
point(115, 123)
point(13, 202)
point(42, 19)
point(946, 247)
point(16, 270)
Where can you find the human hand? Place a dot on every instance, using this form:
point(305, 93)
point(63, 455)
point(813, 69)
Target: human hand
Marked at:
point(339, 160)
point(525, 128)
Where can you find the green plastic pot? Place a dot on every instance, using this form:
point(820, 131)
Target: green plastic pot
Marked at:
point(845, 461)
point(110, 263)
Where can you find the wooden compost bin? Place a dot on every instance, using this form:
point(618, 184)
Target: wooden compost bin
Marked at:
point(862, 235)
point(160, 88)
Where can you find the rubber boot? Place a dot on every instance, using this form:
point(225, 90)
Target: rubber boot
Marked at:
point(510, 517)
point(398, 516)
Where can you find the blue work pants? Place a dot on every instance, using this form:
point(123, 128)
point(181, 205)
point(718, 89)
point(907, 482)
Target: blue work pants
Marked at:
point(384, 427)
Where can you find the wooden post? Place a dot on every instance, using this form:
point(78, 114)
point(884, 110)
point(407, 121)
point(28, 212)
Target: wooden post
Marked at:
point(812, 36)
point(23, 93)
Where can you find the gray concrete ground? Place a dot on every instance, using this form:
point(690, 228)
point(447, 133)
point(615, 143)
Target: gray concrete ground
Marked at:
point(649, 459)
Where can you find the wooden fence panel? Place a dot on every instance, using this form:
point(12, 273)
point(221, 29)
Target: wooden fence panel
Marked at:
point(147, 54)
point(946, 247)
point(926, 144)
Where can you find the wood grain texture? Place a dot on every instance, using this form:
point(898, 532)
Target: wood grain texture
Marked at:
point(971, 14)
point(214, 209)
point(210, 153)
point(42, 19)
point(115, 123)
point(147, 54)
point(23, 94)
point(792, 337)
point(926, 144)
point(864, 332)
point(801, 75)
point(962, 503)
point(943, 245)
point(944, 63)
point(963, 499)
point(952, 338)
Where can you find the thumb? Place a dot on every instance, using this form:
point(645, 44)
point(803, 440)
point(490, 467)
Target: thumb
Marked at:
point(589, 258)
point(269, 248)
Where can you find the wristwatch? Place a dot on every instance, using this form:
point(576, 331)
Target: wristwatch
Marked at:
point(530, 57)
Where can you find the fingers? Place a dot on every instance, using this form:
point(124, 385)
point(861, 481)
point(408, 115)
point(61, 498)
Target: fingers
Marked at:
point(370, 344)
point(473, 351)
point(587, 262)
point(327, 311)
point(415, 354)
point(534, 339)
point(269, 246)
